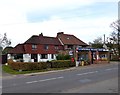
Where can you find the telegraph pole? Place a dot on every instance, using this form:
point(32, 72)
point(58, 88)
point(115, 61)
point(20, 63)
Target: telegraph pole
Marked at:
point(118, 43)
point(104, 38)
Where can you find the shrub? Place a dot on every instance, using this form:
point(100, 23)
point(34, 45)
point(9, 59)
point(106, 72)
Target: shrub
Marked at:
point(63, 57)
point(28, 66)
point(9, 61)
point(62, 63)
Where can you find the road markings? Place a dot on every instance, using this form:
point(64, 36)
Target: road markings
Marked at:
point(31, 82)
point(85, 80)
point(87, 73)
point(50, 79)
point(45, 80)
point(110, 69)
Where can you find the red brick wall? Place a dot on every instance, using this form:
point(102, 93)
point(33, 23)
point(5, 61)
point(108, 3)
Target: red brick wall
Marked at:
point(40, 49)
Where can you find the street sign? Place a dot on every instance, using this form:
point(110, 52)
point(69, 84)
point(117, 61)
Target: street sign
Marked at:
point(71, 52)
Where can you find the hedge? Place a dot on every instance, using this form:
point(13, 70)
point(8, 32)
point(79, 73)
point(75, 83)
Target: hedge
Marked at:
point(62, 63)
point(28, 66)
point(63, 57)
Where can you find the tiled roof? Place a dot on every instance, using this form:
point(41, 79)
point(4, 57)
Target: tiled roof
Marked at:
point(18, 49)
point(70, 39)
point(43, 40)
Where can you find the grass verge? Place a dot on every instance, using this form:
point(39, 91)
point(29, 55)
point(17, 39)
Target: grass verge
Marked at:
point(7, 69)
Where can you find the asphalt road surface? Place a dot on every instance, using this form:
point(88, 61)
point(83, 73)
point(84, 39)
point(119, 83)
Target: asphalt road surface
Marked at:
point(90, 79)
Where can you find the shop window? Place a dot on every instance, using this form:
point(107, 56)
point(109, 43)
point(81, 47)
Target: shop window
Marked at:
point(102, 56)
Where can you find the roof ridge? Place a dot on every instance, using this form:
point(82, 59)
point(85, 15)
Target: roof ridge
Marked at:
point(48, 37)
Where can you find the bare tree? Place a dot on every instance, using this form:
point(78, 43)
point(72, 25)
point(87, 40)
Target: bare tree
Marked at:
point(116, 26)
point(4, 41)
point(98, 40)
point(97, 43)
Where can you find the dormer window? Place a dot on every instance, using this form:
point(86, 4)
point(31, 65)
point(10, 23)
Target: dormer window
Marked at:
point(34, 47)
point(56, 47)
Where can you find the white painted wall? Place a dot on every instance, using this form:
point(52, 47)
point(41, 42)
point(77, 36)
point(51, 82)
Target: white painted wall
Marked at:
point(27, 57)
point(9, 56)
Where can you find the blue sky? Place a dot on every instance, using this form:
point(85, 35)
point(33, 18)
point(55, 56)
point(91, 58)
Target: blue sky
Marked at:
point(86, 19)
point(98, 9)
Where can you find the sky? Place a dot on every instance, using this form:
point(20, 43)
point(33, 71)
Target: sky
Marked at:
point(86, 19)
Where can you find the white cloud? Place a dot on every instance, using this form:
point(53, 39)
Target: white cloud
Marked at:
point(11, 15)
point(13, 20)
point(86, 30)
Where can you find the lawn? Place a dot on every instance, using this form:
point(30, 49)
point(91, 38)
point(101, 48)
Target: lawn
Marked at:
point(7, 69)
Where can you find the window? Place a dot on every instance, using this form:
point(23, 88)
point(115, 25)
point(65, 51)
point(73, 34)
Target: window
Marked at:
point(46, 47)
point(68, 38)
point(70, 46)
point(34, 47)
point(18, 56)
point(52, 56)
point(56, 47)
point(44, 56)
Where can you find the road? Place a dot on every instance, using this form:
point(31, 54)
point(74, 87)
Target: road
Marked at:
point(89, 79)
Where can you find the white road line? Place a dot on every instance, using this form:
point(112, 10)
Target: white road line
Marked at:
point(47, 79)
point(44, 80)
point(31, 82)
point(111, 69)
point(85, 80)
point(50, 79)
point(87, 73)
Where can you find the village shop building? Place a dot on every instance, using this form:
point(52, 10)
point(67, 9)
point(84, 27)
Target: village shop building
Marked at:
point(92, 55)
point(43, 48)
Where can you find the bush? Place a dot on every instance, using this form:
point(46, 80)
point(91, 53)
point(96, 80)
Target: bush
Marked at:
point(62, 63)
point(63, 57)
point(28, 66)
point(9, 61)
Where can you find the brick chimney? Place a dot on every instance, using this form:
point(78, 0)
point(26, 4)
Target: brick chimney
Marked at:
point(41, 34)
point(59, 33)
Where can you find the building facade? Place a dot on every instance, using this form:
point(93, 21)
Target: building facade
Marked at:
point(36, 49)
point(42, 48)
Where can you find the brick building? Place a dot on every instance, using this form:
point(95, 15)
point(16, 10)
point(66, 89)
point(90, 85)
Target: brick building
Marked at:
point(43, 48)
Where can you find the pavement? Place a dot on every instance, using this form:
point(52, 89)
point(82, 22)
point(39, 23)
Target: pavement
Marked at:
point(110, 87)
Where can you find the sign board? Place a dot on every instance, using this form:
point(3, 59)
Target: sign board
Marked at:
point(71, 52)
point(92, 49)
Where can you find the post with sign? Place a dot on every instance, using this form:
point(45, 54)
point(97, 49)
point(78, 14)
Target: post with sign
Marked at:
point(77, 62)
point(75, 55)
